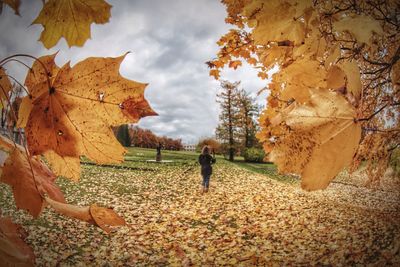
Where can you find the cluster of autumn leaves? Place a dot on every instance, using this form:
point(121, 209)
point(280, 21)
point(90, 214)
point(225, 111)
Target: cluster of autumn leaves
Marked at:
point(318, 102)
point(67, 113)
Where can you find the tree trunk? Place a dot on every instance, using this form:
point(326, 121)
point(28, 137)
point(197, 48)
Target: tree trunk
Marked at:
point(231, 142)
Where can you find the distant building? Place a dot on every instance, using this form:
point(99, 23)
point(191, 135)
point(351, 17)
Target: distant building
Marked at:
point(189, 147)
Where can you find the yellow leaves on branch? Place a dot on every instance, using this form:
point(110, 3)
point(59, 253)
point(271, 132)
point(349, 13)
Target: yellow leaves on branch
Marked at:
point(318, 47)
point(73, 109)
point(361, 27)
point(276, 20)
point(71, 19)
point(13, 250)
point(322, 140)
point(298, 78)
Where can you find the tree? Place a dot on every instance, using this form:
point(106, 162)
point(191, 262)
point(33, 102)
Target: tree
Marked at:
point(248, 115)
point(211, 142)
point(339, 59)
point(123, 135)
point(147, 139)
point(227, 130)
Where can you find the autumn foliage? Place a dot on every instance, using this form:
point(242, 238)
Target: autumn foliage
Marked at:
point(145, 138)
point(66, 112)
point(335, 100)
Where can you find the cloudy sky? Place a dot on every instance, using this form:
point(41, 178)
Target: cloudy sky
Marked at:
point(170, 42)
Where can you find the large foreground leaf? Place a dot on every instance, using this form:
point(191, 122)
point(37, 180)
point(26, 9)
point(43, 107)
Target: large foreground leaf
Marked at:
point(73, 109)
point(322, 139)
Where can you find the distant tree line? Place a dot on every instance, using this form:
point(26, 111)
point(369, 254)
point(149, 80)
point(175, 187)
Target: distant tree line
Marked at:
point(145, 138)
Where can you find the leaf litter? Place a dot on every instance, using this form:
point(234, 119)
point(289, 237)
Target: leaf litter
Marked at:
point(246, 219)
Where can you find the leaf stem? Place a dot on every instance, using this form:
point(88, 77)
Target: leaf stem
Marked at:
point(5, 60)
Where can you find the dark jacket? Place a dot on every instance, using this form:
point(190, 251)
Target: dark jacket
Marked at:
point(205, 162)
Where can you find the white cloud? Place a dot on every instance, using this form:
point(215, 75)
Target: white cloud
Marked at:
point(170, 41)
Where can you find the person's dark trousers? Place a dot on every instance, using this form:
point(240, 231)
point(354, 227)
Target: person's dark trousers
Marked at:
point(206, 180)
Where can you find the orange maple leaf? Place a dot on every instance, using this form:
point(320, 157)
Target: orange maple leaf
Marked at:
point(234, 64)
point(13, 250)
point(73, 109)
point(71, 19)
point(215, 73)
point(29, 178)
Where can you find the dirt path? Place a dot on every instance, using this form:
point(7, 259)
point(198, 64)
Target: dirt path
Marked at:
point(246, 219)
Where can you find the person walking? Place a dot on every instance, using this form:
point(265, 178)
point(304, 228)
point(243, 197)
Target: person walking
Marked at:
point(205, 160)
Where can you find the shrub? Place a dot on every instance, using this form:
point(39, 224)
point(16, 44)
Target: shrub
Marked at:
point(254, 155)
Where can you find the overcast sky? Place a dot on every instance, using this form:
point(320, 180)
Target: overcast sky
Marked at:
point(170, 42)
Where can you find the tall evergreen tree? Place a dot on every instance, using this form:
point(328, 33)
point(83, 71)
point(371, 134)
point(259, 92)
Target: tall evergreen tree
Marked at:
point(228, 128)
point(123, 135)
point(248, 113)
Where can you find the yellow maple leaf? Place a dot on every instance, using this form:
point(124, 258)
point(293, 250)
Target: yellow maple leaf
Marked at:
point(360, 26)
point(299, 77)
point(65, 166)
point(74, 109)
point(71, 19)
point(273, 20)
point(323, 139)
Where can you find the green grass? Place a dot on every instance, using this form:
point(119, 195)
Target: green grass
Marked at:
point(138, 159)
point(266, 168)
point(141, 155)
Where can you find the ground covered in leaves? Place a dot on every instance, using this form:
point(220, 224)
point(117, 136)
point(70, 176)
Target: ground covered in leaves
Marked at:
point(246, 219)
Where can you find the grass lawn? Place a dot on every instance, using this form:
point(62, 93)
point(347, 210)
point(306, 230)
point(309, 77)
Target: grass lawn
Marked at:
point(247, 218)
point(136, 155)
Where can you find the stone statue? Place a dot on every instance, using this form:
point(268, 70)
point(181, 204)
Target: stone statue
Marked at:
point(158, 156)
